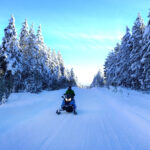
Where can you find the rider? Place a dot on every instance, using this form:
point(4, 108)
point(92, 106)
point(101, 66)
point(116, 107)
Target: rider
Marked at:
point(70, 92)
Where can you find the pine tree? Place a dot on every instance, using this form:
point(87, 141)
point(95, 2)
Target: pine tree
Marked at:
point(116, 66)
point(125, 63)
point(32, 51)
point(145, 59)
point(61, 63)
point(47, 83)
point(109, 69)
point(23, 38)
point(12, 57)
point(55, 72)
point(72, 78)
point(135, 57)
point(98, 80)
point(43, 59)
point(3, 87)
point(54, 64)
point(12, 52)
point(33, 81)
point(40, 39)
point(23, 43)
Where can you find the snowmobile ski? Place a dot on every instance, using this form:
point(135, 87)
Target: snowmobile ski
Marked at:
point(58, 112)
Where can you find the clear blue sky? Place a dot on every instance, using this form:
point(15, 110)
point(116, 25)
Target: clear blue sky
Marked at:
point(83, 30)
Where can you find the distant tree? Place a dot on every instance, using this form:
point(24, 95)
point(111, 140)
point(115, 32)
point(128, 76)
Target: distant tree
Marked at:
point(110, 67)
point(72, 78)
point(115, 66)
point(61, 63)
point(98, 80)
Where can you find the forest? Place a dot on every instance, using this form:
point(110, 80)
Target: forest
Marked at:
point(27, 64)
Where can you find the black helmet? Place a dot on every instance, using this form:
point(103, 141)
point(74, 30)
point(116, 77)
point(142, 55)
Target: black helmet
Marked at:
point(69, 87)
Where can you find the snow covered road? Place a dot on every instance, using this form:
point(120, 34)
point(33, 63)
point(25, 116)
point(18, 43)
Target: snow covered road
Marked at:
point(106, 120)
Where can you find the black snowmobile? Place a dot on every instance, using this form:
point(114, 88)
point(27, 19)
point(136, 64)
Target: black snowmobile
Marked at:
point(68, 105)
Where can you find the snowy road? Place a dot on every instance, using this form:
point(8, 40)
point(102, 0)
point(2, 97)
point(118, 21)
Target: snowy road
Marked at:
point(106, 121)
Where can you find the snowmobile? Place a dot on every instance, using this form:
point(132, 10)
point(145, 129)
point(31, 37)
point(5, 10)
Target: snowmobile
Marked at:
point(67, 105)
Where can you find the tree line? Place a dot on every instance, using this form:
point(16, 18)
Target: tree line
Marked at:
point(27, 64)
point(128, 65)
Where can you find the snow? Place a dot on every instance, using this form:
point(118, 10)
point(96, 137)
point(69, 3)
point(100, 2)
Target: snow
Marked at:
point(114, 119)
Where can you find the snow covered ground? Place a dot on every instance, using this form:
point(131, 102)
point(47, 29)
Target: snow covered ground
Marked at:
point(106, 120)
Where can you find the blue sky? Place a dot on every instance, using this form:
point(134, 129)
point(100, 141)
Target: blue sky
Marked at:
point(83, 30)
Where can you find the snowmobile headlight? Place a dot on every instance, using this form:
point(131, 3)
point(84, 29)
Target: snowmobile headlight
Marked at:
point(68, 99)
